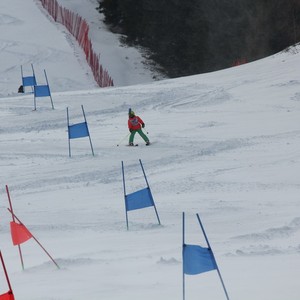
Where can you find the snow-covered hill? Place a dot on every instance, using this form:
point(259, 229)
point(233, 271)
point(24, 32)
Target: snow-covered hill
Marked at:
point(29, 35)
point(224, 145)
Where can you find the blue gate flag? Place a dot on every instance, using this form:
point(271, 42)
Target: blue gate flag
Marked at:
point(41, 91)
point(78, 130)
point(197, 259)
point(140, 199)
point(29, 81)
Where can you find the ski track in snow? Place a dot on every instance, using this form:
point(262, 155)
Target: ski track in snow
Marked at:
point(8, 19)
point(191, 150)
point(266, 242)
point(274, 233)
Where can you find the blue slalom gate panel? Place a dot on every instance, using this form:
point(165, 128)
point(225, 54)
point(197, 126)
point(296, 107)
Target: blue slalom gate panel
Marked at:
point(78, 130)
point(139, 199)
point(42, 91)
point(28, 81)
point(197, 259)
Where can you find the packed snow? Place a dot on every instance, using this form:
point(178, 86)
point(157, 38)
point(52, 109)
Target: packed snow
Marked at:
point(224, 145)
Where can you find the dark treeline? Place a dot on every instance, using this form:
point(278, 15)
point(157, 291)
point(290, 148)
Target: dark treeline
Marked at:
point(194, 36)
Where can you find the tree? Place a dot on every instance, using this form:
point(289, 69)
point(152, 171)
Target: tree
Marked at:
point(195, 36)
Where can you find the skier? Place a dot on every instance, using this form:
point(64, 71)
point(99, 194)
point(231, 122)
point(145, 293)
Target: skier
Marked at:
point(135, 124)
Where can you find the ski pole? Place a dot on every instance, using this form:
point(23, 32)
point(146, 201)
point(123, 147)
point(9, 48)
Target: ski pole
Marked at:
point(145, 130)
point(123, 138)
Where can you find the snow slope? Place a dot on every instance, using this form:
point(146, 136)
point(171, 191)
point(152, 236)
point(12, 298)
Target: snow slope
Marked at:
point(126, 65)
point(225, 145)
point(29, 35)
